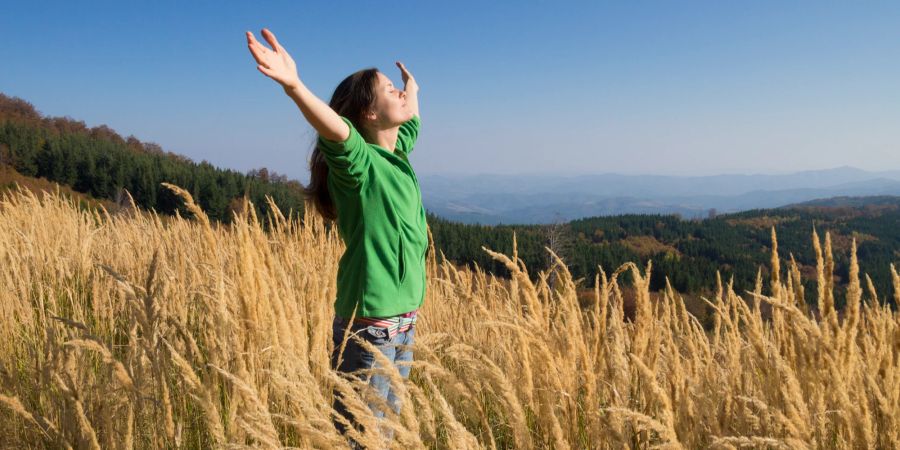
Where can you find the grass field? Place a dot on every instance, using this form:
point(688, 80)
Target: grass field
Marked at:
point(131, 331)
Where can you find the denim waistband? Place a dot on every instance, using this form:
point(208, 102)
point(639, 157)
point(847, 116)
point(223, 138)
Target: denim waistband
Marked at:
point(392, 325)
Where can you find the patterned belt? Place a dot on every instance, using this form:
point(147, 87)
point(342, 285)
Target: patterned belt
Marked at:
point(393, 325)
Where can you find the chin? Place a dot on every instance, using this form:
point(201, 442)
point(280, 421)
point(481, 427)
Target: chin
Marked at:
point(405, 118)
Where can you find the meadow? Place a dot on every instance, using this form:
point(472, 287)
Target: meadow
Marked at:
point(134, 330)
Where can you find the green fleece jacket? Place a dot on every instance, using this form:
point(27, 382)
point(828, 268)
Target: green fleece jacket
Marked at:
point(381, 220)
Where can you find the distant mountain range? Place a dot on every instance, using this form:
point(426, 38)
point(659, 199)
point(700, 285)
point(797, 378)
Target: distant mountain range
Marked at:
point(536, 199)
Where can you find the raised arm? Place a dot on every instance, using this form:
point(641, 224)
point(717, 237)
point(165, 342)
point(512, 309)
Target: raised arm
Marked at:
point(278, 65)
point(410, 88)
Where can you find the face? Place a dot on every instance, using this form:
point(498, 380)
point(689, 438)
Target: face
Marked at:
point(390, 108)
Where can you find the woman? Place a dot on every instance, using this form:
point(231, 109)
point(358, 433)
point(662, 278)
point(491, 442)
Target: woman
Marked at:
point(361, 177)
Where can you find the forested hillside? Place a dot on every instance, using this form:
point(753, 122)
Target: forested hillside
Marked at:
point(690, 252)
point(100, 163)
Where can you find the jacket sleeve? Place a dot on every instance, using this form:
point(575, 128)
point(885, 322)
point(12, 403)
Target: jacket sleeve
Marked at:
point(409, 132)
point(348, 161)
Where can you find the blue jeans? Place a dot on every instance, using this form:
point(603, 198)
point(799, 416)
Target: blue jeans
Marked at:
point(355, 358)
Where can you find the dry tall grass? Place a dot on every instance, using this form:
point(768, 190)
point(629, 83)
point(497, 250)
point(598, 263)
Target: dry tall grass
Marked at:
point(127, 332)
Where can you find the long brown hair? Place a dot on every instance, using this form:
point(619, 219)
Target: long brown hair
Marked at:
point(351, 99)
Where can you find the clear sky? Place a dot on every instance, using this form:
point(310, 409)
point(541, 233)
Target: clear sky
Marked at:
point(665, 87)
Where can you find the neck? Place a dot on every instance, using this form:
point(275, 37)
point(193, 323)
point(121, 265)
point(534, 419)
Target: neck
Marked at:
point(385, 138)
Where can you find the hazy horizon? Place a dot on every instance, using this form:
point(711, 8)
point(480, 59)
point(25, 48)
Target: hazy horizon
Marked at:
point(652, 88)
point(686, 174)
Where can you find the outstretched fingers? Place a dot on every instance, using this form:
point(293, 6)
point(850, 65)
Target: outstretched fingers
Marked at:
point(407, 77)
point(270, 38)
point(256, 49)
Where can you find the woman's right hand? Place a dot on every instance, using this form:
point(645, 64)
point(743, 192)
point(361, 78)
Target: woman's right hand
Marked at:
point(276, 63)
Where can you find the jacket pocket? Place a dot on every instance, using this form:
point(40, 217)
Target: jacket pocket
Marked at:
point(401, 259)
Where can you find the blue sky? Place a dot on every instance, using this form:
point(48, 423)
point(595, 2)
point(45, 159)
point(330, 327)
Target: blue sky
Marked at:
point(680, 88)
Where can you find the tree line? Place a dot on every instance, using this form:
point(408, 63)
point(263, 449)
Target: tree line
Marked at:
point(690, 253)
point(99, 162)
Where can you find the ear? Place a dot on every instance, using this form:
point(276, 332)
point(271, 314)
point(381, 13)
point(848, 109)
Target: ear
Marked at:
point(370, 115)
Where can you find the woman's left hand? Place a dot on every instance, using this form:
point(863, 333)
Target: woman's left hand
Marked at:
point(409, 83)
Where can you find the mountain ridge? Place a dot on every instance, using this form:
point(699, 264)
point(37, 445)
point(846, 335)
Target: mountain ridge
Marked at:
point(538, 199)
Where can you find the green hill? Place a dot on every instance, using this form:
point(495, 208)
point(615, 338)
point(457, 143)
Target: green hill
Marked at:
point(690, 252)
point(99, 163)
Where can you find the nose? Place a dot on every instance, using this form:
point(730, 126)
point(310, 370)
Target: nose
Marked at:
point(403, 94)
